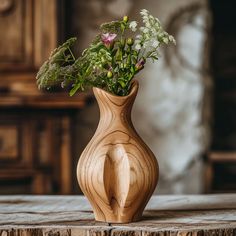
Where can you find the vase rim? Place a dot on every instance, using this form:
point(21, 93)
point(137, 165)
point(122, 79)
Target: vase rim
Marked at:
point(133, 90)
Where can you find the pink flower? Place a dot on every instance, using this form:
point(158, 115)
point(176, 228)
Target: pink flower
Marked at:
point(108, 39)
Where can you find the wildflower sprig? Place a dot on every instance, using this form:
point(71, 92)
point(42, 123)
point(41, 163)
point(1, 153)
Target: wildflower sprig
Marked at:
point(111, 61)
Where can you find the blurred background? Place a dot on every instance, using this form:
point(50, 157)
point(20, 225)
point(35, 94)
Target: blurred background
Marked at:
point(185, 110)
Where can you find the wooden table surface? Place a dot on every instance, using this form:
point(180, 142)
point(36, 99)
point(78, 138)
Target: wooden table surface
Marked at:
point(72, 216)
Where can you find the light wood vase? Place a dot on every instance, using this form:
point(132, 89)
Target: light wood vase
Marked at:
point(117, 171)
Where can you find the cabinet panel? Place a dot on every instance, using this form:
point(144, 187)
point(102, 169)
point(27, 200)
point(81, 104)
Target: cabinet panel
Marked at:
point(16, 40)
point(35, 151)
point(9, 148)
point(11, 141)
point(46, 32)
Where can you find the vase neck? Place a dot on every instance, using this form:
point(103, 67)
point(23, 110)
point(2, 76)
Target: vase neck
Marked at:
point(115, 107)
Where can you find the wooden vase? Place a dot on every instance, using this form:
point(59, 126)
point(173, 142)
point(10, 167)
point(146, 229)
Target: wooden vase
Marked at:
point(117, 171)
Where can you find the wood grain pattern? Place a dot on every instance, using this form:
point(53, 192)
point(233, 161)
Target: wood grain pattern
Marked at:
point(9, 142)
point(117, 171)
point(16, 44)
point(169, 215)
point(29, 32)
point(46, 29)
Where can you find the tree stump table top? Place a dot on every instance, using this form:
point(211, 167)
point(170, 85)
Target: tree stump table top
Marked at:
point(72, 216)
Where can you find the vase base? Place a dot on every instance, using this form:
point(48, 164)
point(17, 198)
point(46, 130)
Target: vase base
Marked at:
point(122, 220)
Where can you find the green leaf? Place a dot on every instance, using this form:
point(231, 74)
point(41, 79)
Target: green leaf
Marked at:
point(98, 47)
point(132, 69)
point(122, 83)
point(154, 57)
point(122, 26)
point(74, 89)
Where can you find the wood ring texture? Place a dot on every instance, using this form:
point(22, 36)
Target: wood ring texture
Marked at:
point(117, 171)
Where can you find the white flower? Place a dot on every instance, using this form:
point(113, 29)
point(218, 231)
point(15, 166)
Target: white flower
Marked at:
point(148, 37)
point(152, 35)
point(151, 18)
point(145, 30)
point(155, 43)
point(146, 44)
point(148, 25)
point(145, 18)
point(137, 46)
point(139, 36)
point(158, 21)
point(144, 12)
point(165, 40)
point(141, 29)
point(172, 39)
point(154, 31)
point(161, 35)
point(133, 25)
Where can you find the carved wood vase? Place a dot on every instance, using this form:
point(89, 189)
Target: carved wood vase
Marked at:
point(117, 171)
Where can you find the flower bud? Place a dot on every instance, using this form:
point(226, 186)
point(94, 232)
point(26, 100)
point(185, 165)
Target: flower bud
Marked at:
point(140, 64)
point(109, 74)
point(125, 19)
point(118, 55)
point(130, 41)
point(103, 59)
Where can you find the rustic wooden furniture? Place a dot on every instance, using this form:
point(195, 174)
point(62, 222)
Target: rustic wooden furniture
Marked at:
point(36, 143)
point(36, 135)
point(220, 171)
point(117, 171)
point(164, 215)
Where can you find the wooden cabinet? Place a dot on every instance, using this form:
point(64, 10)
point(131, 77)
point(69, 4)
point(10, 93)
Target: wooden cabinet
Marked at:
point(35, 150)
point(35, 127)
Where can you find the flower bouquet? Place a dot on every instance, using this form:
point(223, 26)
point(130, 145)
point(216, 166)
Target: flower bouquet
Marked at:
point(111, 61)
